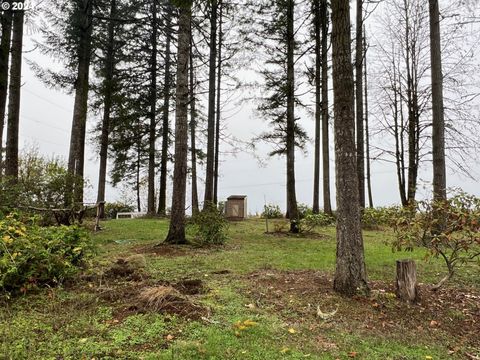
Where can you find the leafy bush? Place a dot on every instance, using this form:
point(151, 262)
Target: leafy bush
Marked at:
point(303, 211)
point(448, 229)
point(208, 227)
point(375, 218)
point(113, 208)
point(32, 256)
point(272, 212)
point(312, 221)
point(42, 183)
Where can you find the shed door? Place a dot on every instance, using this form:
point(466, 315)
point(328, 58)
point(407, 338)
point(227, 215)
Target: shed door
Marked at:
point(235, 210)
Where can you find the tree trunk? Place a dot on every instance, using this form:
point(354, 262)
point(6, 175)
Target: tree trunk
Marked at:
point(438, 121)
point(152, 136)
point(398, 132)
point(412, 119)
point(324, 17)
point(367, 131)
point(176, 233)
point(318, 106)
point(13, 121)
point(359, 102)
point(107, 107)
point(219, 93)
point(137, 178)
point(350, 272)
point(208, 199)
point(406, 283)
point(4, 62)
point(193, 131)
point(162, 204)
point(76, 156)
point(291, 195)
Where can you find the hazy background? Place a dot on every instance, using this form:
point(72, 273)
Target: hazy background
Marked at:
point(45, 122)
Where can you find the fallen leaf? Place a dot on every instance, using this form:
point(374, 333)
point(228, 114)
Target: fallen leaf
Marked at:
point(433, 323)
point(352, 354)
point(284, 350)
point(292, 331)
point(170, 337)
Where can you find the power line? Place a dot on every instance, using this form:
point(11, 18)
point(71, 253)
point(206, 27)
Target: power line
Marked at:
point(47, 100)
point(43, 140)
point(45, 124)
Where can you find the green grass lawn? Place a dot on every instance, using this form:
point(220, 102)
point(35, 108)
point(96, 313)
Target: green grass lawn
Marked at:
point(269, 279)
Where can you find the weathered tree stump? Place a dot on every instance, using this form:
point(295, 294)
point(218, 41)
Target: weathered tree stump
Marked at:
point(406, 283)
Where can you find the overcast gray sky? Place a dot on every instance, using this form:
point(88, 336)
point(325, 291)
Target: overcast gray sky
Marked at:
point(46, 117)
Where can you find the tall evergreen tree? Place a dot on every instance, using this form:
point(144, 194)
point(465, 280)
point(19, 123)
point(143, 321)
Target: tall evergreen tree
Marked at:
point(317, 25)
point(162, 205)
point(193, 126)
point(324, 17)
point(359, 102)
point(6, 22)
point(209, 178)
point(367, 125)
point(108, 88)
point(176, 232)
point(219, 102)
point(13, 120)
point(438, 120)
point(279, 104)
point(350, 272)
point(82, 24)
point(152, 133)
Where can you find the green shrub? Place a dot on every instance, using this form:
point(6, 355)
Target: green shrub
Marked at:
point(208, 227)
point(33, 256)
point(113, 208)
point(303, 211)
point(375, 218)
point(272, 212)
point(449, 230)
point(312, 221)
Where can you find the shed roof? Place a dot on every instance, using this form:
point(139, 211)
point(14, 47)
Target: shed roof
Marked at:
point(237, 197)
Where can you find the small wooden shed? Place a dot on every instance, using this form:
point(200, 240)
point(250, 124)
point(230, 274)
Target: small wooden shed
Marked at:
point(236, 207)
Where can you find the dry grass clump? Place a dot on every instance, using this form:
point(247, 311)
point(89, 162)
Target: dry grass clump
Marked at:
point(166, 299)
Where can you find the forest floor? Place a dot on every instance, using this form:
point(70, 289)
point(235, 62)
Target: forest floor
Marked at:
point(261, 296)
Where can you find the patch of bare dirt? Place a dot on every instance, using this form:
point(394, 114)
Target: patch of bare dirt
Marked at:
point(306, 297)
point(134, 297)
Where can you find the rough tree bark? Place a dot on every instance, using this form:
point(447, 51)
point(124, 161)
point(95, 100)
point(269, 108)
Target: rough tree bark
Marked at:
point(4, 62)
point(76, 155)
point(218, 112)
point(193, 129)
point(162, 203)
point(107, 107)
point(13, 120)
point(318, 106)
point(350, 272)
point(291, 195)
point(208, 198)
point(367, 130)
point(138, 167)
point(324, 17)
point(176, 233)
point(438, 121)
point(152, 133)
point(359, 103)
